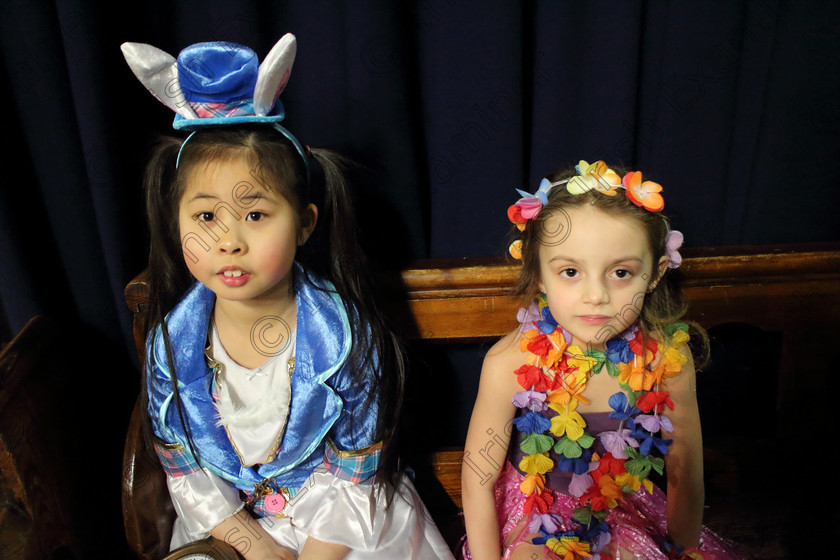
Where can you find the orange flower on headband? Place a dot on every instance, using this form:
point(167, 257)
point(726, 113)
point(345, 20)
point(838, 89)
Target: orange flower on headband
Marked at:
point(645, 194)
point(515, 249)
point(594, 177)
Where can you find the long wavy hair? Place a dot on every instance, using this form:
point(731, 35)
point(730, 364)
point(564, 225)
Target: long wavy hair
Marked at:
point(664, 305)
point(332, 252)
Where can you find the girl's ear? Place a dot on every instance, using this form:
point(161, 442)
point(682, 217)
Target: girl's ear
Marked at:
point(661, 267)
point(309, 218)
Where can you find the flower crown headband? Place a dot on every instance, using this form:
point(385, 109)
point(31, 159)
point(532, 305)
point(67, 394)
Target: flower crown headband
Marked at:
point(217, 84)
point(596, 177)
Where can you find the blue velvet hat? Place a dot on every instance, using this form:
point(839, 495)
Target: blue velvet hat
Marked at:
point(217, 83)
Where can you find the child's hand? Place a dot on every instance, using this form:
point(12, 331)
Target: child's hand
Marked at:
point(320, 550)
point(269, 550)
point(528, 551)
point(249, 538)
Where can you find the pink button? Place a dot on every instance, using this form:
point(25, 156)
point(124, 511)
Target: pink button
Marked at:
point(274, 503)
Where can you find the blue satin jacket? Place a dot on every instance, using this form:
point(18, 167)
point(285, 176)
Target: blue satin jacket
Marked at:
point(324, 402)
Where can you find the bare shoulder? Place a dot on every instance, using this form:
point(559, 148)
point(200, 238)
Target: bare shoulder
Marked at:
point(683, 354)
point(503, 358)
point(505, 352)
point(687, 374)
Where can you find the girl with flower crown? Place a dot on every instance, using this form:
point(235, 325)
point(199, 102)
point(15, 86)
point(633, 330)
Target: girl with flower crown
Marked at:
point(271, 381)
point(594, 392)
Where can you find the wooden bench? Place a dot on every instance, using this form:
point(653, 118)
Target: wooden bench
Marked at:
point(787, 289)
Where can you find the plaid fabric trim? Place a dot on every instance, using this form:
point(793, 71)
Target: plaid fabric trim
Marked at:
point(209, 110)
point(176, 460)
point(355, 466)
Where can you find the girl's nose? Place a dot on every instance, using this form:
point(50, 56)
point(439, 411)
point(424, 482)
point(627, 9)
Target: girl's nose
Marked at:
point(231, 242)
point(595, 292)
point(228, 246)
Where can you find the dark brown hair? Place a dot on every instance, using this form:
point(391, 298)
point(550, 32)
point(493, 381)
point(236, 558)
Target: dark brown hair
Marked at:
point(662, 306)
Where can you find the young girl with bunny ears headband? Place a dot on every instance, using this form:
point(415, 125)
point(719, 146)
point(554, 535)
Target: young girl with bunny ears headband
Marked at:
point(272, 384)
point(594, 392)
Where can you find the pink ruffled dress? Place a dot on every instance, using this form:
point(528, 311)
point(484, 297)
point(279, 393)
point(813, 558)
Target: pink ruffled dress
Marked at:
point(638, 528)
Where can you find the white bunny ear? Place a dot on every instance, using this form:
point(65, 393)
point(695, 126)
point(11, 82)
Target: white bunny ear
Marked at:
point(274, 74)
point(158, 71)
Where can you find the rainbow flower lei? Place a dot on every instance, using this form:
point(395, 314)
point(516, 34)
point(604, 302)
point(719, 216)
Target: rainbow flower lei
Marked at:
point(554, 378)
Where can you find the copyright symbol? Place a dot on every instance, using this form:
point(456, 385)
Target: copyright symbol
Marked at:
point(556, 229)
point(379, 56)
point(270, 335)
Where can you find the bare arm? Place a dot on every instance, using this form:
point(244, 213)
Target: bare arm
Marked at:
point(486, 446)
point(243, 533)
point(684, 461)
point(320, 550)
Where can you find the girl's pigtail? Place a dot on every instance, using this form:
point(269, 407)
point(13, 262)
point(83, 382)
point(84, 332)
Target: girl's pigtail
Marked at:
point(167, 275)
point(343, 248)
point(374, 341)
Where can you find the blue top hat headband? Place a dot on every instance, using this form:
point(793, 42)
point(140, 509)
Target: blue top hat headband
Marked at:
point(217, 84)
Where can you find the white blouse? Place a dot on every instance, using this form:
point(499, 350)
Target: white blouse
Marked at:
point(253, 405)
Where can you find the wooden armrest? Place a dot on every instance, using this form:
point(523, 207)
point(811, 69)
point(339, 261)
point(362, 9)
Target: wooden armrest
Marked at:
point(148, 513)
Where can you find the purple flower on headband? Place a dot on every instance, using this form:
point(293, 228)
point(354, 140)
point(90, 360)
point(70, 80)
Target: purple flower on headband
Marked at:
point(673, 241)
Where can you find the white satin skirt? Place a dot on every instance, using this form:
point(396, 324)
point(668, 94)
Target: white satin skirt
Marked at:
point(354, 515)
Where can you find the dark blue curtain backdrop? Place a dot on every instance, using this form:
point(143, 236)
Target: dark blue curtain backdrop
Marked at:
point(448, 105)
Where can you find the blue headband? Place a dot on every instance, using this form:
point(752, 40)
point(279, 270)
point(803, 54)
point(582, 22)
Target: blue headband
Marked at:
point(300, 149)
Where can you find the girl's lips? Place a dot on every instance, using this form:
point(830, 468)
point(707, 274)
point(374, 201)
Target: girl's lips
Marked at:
point(594, 319)
point(234, 281)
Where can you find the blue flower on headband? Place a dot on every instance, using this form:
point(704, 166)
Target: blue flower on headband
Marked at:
point(542, 192)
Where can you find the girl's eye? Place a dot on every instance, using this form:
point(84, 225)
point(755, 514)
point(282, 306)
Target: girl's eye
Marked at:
point(569, 273)
point(255, 216)
point(622, 274)
point(204, 217)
